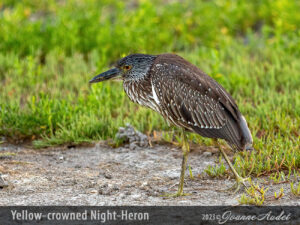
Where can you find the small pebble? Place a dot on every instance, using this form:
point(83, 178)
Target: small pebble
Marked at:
point(3, 184)
point(207, 154)
point(136, 196)
point(116, 188)
point(107, 175)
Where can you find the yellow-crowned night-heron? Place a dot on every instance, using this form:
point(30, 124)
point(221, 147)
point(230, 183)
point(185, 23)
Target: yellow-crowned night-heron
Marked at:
point(186, 97)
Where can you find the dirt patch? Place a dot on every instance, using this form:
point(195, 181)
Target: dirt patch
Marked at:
point(105, 176)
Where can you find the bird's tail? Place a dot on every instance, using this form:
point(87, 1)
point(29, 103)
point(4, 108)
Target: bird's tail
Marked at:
point(246, 134)
point(237, 134)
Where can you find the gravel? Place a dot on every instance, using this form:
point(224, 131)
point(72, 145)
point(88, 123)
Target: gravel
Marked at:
point(102, 175)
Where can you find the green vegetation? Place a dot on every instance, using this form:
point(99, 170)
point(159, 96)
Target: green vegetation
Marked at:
point(295, 190)
point(50, 49)
point(217, 170)
point(255, 195)
point(5, 155)
point(280, 194)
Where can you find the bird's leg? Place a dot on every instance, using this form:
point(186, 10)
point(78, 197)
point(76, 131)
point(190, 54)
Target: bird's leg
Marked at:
point(185, 151)
point(239, 179)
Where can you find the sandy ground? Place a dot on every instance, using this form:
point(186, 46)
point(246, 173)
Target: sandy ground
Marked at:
point(101, 175)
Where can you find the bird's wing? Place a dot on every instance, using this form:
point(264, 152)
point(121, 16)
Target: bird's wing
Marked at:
point(191, 99)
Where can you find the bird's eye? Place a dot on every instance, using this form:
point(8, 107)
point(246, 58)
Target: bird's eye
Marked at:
point(127, 67)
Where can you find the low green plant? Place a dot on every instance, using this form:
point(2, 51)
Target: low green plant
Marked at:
point(278, 177)
point(255, 195)
point(295, 190)
point(280, 194)
point(4, 155)
point(217, 170)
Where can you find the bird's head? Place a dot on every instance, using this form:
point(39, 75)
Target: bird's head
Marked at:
point(131, 67)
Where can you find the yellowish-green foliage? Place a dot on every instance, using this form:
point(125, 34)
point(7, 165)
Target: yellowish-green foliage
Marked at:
point(217, 170)
point(49, 50)
point(280, 194)
point(255, 195)
point(295, 190)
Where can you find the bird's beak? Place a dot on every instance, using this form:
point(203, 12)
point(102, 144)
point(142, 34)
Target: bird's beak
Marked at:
point(106, 75)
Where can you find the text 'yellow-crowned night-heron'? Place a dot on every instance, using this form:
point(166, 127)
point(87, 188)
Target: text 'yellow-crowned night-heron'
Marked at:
point(186, 97)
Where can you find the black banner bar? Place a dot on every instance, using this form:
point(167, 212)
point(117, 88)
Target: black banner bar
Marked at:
point(158, 215)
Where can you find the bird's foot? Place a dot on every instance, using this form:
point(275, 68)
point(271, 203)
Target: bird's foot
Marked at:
point(175, 195)
point(240, 183)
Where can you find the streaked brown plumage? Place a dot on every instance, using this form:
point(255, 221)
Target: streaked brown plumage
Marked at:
point(183, 95)
point(189, 98)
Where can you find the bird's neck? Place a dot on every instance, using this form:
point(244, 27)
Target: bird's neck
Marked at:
point(138, 90)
